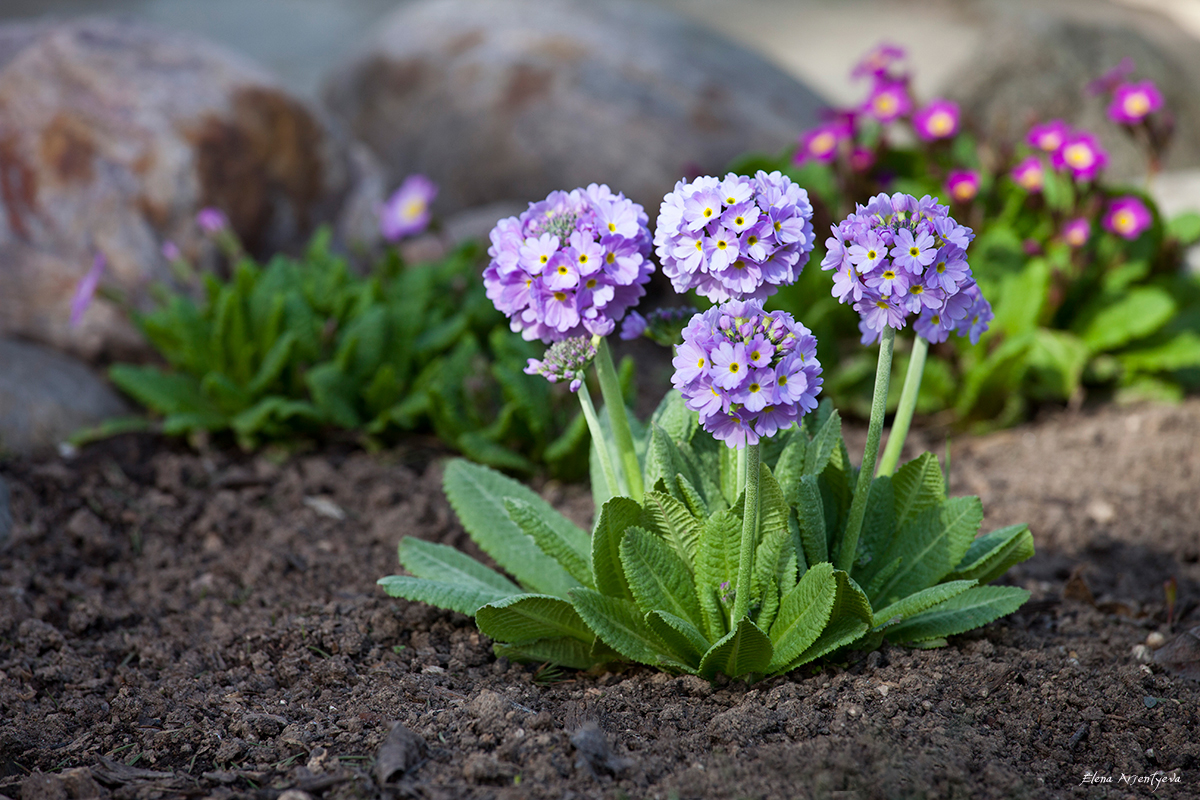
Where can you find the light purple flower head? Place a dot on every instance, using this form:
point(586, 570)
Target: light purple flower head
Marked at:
point(1077, 232)
point(212, 220)
point(889, 100)
point(879, 61)
point(1082, 154)
point(170, 251)
point(570, 265)
point(1127, 217)
point(898, 256)
point(1132, 102)
point(86, 290)
point(734, 238)
point(938, 120)
point(962, 185)
point(1049, 137)
point(747, 372)
point(406, 212)
point(821, 143)
point(1030, 175)
point(565, 360)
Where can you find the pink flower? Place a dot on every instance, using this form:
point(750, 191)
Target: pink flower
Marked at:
point(1029, 174)
point(862, 159)
point(1127, 217)
point(963, 185)
point(407, 211)
point(1131, 102)
point(1050, 136)
point(821, 143)
point(938, 120)
point(889, 100)
point(1082, 154)
point(86, 290)
point(212, 220)
point(878, 61)
point(1077, 232)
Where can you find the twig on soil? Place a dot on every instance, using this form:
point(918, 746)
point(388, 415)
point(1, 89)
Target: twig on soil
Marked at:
point(1078, 736)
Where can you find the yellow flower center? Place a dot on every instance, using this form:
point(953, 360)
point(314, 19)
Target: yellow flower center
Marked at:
point(562, 269)
point(1137, 104)
point(560, 296)
point(722, 244)
point(1079, 156)
point(739, 221)
point(583, 259)
point(612, 227)
point(734, 366)
point(941, 123)
point(822, 143)
point(545, 259)
point(700, 362)
point(610, 258)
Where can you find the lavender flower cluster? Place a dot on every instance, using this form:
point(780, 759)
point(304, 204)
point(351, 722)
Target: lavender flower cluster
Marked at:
point(898, 256)
point(734, 238)
point(746, 371)
point(570, 265)
point(566, 360)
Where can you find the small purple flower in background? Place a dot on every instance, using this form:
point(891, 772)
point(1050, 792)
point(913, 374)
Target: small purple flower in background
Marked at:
point(565, 360)
point(938, 120)
point(633, 326)
point(406, 212)
point(1131, 102)
point(86, 289)
point(1110, 80)
point(924, 271)
point(570, 265)
point(1050, 136)
point(821, 143)
point(1077, 232)
point(963, 184)
point(888, 101)
point(1127, 217)
point(747, 372)
point(1082, 154)
point(1030, 175)
point(212, 220)
point(170, 251)
point(662, 325)
point(737, 237)
point(862, 159)
point(879, 61)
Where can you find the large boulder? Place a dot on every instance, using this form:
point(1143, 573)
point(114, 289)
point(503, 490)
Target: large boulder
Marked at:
point(1037, 60)
point(511, 99)
point(112, 136)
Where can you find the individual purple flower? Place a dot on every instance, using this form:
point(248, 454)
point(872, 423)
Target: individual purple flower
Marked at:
point(406, 212)
point(821, 143)
point(1127, 217)
point(633, 326)
point(170, 251)
point(1132, 102)
point(862, 159)
point(565, 360)
point(212, 220)
point(978, 314)
point(938, 120)
point(747, 372)
point(878, 62)
point(1029, 174)
point(962, 184)
point(1050, 136)
point(734, 238)
point(85, 290)
point(924, 270)
point(566, 267)
point(1077, 232)
point(1082, 154)
point(1110, 80)
point(889, 100)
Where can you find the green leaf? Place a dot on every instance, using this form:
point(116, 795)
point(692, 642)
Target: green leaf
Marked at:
point(477, 495)
point(1179, 352)
point(273, 363)
point(482, 450)
point(679, 637)
point(573, 553)
point(564, 651)
point(810, 514)
point(657, 576)
point(803, 614)
point(675, 418)
point(335, 393)
point(717, 563)
point(744, 650)
point(670, 519)
point(1141, 311)
point(972, 609)
point(773, 535)
point(919, 601)
point(619, 624)
point(823, 445)
point(849, 620)
point(163, 393)
point(616, 517)
point(1022, 297)
point(1185, 228)
point(663, 460)
point(789, 467)
point(439, 562)
point(991, 555)
point(879, 523)
point(454, 596)
point(691, 498)
point(931, 545)
point(916, 486)
point(529, 617)
point(729, 473)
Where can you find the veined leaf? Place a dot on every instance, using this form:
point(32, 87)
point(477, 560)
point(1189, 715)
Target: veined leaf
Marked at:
point(973, 608)
point(810, 514)
point(931, 545)
point(670, 519)
point(790, 465)
point(663, 460)
point(803, 613)
point(679, 637)
point(440, 562)
point(773, 535)
point(1178, 352)
point(743, 650)
point(849, 620)
point(616, 517)
point(917, 485)
point(992, 554)
point(675, 418)
point(919, 601)
point(564, 651)
point(528, 617)
point(274, 362)
point(1140, 311)
point(691, 498)
point(620, 625)
point(717, 563)
point(161, 392)
point(823, 445)
point(730, 488)
point(878, 525)
point(442, 594)
point(573, 554)
point(658, 577)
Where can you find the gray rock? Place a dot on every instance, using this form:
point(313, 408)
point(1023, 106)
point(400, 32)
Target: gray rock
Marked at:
point(1037, 59)
point(511, 99)
point(46, 396)
point(112, 136)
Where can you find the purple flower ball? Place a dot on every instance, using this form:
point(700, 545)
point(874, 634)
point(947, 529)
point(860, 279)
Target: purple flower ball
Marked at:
point(1127, 217)
point(734, 238)
point(898, 256)
point(1132, 102)
point(1050, 136)
point(889, 100)
point(212, 220)
point(821, 143)
point(1082, 154)
point(962, 185)
point(570, 265)
point(938, 120)
point(1030, 175)
point(565, 360)
point(1077, 232)
point(406, 212)
point(747, 372)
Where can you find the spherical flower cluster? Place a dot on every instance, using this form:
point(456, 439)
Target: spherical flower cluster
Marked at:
point(1076, 232)
point(570, 265)
point(1029, 174)
point(938, 120)
point(962, 184)
point(566, 360)
point(1132, 102)
point(898, 256)
point(821, 143)
point(1049, 136)
point(1127, 217)
point(734, 238)
point(889, 100)
point(1082, 154)
point(747, 372)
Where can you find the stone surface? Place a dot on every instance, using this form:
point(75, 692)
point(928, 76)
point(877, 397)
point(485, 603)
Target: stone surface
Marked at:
point(1035, 62)
point(46, 396)
point(112, 136)
point(511, 99)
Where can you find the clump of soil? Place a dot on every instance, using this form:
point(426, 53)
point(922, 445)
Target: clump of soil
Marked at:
point(174, 624)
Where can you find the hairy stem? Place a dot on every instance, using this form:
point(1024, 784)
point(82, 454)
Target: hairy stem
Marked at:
point(908, 404)
point(602, 451)
point(614, 402)
point(741, 599)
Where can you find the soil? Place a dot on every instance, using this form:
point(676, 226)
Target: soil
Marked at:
point(175, 624)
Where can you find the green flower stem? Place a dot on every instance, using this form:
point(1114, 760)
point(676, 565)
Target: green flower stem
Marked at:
point(908, 404)
point(593, 423)
point(858, 507)
point(741, 598)
point(614, 402)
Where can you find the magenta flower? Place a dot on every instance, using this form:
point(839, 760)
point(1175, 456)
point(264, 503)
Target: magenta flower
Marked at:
point(406, 212)
point(862, 159)
point(86, 289)
point(1082, 154)
point(212, 220)
point(963, 184)
point(1131, 102)
point(1030, 175)
point(938, 120)
point(1050, 136)
point(888, 101)
point(821, 143)
point(1077, 232)
point(878, 62)
point(1127, 217)
point(1110, 80)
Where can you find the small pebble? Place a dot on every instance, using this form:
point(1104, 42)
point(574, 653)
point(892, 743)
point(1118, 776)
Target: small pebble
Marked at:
point(883, 690)
point(1155, 640)
point(1142, 654)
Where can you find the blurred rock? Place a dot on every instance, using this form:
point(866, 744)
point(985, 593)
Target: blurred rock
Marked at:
point(511, 99)
point(46, 396)
point(1037, 61)
point(112, 136)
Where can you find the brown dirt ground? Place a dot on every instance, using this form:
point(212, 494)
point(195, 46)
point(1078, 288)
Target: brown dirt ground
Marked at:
point(183, 625)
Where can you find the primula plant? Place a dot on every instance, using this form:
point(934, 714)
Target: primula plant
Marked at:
point(733, 534)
